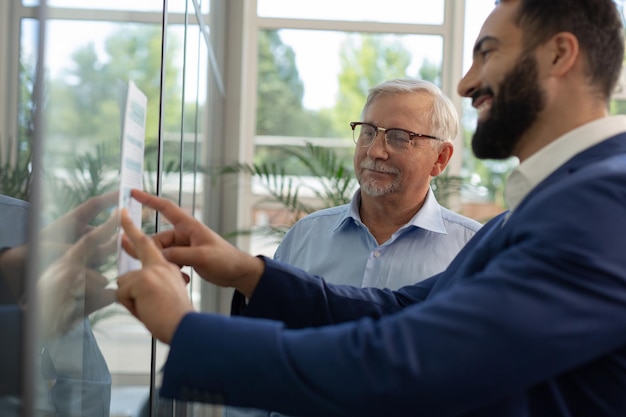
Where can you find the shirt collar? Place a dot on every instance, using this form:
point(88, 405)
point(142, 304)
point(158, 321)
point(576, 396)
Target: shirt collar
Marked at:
point(351, 213)
point(429, 217)
point(541, 164)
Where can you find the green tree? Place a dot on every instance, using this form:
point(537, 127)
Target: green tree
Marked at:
point(280, 89)
point(280, 111)
point(135, 54)
point(366, 60)
point(85, 102)
point(430, 71)
point(280, 92)
point(78, 102)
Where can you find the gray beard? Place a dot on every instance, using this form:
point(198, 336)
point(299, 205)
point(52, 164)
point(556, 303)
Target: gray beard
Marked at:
point(376, 190)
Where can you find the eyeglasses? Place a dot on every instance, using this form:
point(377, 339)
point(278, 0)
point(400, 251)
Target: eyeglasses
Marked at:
point(364, 135)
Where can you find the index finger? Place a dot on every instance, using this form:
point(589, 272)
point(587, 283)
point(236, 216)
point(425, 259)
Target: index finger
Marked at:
point(167, 208)
point(146, 250)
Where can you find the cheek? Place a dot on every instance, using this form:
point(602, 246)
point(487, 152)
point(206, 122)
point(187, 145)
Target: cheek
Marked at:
point(359, 155)
point(420, 167)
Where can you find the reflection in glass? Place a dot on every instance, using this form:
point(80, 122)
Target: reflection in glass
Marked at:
point(101, 365)
point(392, 11)
point(13, 224)
point(103, 361)
point(76, 253)
point(15, 186)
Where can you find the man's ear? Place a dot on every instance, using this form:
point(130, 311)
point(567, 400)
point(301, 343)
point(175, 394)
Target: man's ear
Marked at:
point(560, 53)
point(446, 149)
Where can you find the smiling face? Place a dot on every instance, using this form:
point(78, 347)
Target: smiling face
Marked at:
point(503, 85)
point(508, 115)
point(383, 171)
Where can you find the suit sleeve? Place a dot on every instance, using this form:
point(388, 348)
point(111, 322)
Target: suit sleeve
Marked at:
point(298, 299)
point(555, 280)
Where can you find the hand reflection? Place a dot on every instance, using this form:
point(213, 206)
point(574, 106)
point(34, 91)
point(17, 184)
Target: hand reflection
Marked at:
point(72, 256)
point(71, 252)
point(71, 287)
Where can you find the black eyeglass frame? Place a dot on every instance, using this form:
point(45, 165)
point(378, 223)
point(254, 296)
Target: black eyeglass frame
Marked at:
point(412, 135)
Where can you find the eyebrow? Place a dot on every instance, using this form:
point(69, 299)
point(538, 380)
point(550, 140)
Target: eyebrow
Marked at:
point(479, 44)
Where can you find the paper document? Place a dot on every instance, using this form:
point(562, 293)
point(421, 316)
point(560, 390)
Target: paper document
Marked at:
point(131, 171)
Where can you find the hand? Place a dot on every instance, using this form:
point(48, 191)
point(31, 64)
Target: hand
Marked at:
point(55, 240)
point(155, 294)
point(191, 243)
point(75, 223)
point(71, 288)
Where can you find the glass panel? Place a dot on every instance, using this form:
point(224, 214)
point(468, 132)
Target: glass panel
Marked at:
point(391, 11)
point(15, 212)
point(182, 149)
point(102, 361)
point(108, 356)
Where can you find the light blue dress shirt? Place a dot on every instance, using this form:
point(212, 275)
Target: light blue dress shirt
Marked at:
point(335, 244)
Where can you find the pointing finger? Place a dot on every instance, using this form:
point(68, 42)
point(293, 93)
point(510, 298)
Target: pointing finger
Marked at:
point(145, 249)
point(167, 208)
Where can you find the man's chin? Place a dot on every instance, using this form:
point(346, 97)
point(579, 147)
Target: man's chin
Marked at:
point(489, 150)
point(373, 190)
point(487, 146)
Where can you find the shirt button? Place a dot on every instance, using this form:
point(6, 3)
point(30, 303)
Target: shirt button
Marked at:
point(376, 254)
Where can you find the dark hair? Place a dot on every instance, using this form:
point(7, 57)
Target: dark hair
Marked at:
point(597, 24)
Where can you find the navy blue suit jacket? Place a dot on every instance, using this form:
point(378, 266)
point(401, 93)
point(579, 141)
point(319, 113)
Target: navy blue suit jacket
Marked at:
point(529, 320)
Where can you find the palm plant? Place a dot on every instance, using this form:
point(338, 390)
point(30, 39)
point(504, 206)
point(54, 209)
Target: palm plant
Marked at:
point(15, 173)
point(335, 186)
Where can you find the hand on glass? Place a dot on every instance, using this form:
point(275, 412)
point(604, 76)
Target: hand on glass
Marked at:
point(191, 243)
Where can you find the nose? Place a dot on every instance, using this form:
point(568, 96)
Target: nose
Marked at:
point(469, 83)
point(378, 148)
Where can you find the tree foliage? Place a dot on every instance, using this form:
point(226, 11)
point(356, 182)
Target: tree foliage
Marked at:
point(280, 92)
point(85, 102)
point(366, 60)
